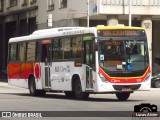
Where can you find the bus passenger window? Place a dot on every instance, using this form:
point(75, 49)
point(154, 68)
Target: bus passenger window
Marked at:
point(12, 54)
point(38, 51)
point(77, 47)
point(31, 51)
point(55, 49)
point(67, 48)
point(44, 53)
point(22, 51)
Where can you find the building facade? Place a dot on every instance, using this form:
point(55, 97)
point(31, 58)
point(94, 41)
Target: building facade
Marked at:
point(17, 18)
point(22, 17)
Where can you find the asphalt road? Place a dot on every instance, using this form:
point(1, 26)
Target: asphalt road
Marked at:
point(18, 99)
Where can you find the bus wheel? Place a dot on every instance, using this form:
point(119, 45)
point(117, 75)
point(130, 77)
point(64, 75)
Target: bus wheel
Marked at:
point(32, 87)
point(69, 94)
point(122, 96)
point(78, 91)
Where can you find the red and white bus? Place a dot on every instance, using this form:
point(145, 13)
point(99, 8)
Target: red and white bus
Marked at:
point(80, 61)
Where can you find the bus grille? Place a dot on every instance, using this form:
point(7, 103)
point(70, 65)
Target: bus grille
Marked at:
point(120, 87)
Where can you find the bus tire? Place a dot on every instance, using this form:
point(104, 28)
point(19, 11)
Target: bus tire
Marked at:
point(78, 91)
point(69, 94)
point(32, 87)
point(122, 96)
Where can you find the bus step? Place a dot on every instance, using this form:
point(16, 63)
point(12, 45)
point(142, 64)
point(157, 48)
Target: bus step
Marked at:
point(47, 89)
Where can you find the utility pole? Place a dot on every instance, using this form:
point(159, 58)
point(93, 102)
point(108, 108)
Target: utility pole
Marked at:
point(88, 2)
point(130, 14)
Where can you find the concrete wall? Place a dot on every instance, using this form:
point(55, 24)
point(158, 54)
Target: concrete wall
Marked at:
point(19, 5)
point(139, 7)
point(42, 14)
point(69, 16)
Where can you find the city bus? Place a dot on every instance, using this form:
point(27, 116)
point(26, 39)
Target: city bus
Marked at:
point(80, 61)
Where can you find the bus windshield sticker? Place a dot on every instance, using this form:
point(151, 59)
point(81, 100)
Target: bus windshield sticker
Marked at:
point(129, 67)
point(119, 67)
point(101, 57)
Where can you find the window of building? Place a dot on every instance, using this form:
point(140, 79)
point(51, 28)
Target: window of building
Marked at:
point(63, 3)
point(31, 51)
point(13, 3)
point(51, 5)
point(24, 2)
point(33, 1)
point(1, 5)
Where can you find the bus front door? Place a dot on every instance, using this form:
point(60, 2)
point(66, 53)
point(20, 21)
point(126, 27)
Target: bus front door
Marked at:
point(46, 58)
point(89, 61)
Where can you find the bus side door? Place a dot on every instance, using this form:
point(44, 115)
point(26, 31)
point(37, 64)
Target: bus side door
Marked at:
point(89, 61)
point(46, 59)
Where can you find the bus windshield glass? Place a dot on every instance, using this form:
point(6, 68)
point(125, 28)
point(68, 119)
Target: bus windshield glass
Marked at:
point(123, 53)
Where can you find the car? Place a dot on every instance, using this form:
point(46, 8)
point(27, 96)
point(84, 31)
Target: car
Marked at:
point(155, 81)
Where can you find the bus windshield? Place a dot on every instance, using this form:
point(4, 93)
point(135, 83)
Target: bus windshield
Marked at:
point(123, 54)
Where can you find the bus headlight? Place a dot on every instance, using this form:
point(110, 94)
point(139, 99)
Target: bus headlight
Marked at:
point(103, 78)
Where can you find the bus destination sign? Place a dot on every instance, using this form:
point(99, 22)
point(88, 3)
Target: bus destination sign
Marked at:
point(117, 33)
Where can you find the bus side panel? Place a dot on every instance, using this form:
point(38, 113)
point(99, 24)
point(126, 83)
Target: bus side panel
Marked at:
point(61, 76)
point(15, 76)
point(62, 73)
point(38, 74)
point(26, 70)
point(18, 74)
point(13, 71)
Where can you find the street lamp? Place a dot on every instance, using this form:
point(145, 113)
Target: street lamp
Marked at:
point(130, 14)
point(88, 2)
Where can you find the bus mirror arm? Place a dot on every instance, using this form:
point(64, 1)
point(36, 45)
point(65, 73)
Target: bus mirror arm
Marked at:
point(93, 67)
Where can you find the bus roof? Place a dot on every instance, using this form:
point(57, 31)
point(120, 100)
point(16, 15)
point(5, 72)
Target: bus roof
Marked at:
point(62, 31)
point(53, 32)
point(38, 32)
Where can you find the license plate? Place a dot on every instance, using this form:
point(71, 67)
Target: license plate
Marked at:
point(126, 89)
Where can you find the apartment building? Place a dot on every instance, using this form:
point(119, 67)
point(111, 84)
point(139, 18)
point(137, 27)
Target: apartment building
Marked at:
point(17, 18)
point(22, 17)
